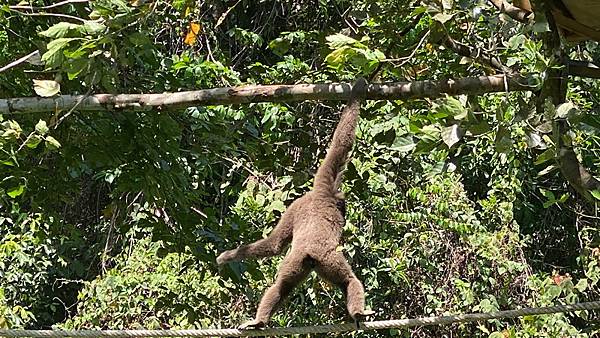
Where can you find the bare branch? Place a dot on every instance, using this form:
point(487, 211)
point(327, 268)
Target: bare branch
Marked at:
point(573, 171)
point(43, 8)
point(514, 12)
point(474, 53)
point(64, 16)
point(270, 93)
point(574, 26)
point(20, 60)
point(583, 69)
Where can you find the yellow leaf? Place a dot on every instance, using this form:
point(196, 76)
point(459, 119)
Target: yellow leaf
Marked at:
point(190, 37)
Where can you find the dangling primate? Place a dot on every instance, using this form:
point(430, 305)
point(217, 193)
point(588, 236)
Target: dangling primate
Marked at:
point(313, 224)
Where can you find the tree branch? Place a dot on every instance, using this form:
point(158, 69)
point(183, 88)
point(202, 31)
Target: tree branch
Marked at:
point(63, 16)
point(583, 69)
point(43, 8)
point(270, 93)
point(555, 88)
point(514, 12)
point(574, 26)
point(573, 171)
point(25, 58)
point(473, 53)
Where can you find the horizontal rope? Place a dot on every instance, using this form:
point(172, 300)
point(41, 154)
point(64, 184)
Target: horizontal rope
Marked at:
point(376, 325)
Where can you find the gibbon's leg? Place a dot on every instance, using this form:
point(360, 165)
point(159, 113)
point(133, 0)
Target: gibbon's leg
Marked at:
point(294, 268)
point(273, 245)
point(335, 268)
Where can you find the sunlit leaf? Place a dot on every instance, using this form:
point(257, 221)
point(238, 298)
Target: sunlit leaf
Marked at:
point(339, 40)
point(545, 156)
point(534, 140)
point(451, 135)
point(41, 127)
point(46, 88)
point(16, 191)
point(564, 110)
point(404, 144)
point(582, 285)
point(52, 143)
point(278, 205)
point(442, 17)
point(93, 27)
point(54, 54)
point(193, 31)
point(33, 141)
point(61, 30)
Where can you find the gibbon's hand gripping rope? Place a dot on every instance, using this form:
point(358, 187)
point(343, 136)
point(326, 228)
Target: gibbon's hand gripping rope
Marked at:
point(376, 325)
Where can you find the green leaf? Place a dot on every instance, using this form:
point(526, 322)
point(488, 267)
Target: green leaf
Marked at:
point(450, 106)
point(33, 141)
point(451, 135)
point(503, 141)
point(545, 156)
point(54, 56)
point(553, 291)
point(278, 205)
point(478, 128)
point(16, 191)
point(596, 194)
point(404, 144)
point(516, 41)
point(61, 30)
point(442, 17)
point(591, 120)
point(93, 28)
point(52, 143)
point(260, 200)
point(280, 46)
point(41, 127)
point(565, 110)
point(339, 56)
point(339, 40)
point(75, 67)
point(582, 285)
point(548, 170)
point(46, 88)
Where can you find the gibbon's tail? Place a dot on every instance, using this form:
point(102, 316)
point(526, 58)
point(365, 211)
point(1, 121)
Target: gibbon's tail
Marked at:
point(328, 177)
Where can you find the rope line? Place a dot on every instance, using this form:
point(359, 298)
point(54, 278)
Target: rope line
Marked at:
point(335, 328)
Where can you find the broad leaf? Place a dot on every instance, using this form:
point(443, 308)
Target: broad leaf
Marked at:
point(404, 144)
point(451, 135)
point(52, 143)
point(61, 30)
point(339, 40)
point(564, 110)
point(41, 127)
point(46, 88)
point(16, 191)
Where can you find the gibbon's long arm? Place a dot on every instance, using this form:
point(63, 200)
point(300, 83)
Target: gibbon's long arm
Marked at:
point(327, 179)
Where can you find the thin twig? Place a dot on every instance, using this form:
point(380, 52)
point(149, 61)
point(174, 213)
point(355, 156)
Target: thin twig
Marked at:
point(58, 4)
point(64, 16)
point(20, 60)
point(62, 118)
point(412, 54)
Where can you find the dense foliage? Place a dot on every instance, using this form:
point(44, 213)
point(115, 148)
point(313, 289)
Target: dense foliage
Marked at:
point(114, 219)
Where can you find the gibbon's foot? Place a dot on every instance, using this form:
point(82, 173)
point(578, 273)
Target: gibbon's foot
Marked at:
point(360, 317)
point(225, 257)
point(251, 325)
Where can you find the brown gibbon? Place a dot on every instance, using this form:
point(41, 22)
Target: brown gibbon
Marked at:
point(313, 224)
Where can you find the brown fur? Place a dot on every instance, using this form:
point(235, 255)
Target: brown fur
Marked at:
point(313, 224)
